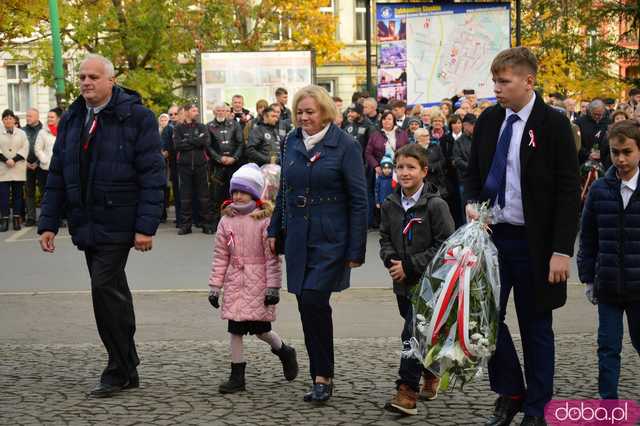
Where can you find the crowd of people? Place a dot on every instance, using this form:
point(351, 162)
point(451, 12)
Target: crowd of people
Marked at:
point(415, 175)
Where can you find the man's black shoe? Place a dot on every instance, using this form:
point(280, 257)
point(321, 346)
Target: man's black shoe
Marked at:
point(30, 222)
point(184, 230)
point(506, 410)
point(533, 421)
point(104, 390)
point(134, 383)
point(208, 230)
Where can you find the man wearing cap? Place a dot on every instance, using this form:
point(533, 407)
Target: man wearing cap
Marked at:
point(360, 128)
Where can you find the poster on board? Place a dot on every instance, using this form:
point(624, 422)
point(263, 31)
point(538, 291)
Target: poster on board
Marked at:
point(429, 52)
point(254, 75)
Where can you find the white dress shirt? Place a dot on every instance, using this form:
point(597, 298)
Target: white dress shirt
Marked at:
point(408, 202)
point(627, 188)
point(512, 212)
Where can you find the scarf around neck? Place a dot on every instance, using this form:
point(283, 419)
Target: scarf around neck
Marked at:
point(391, 138)
point(312, 140)
point(243, 209)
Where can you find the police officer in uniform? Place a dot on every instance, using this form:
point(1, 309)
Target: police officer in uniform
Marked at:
point(225, 152)
point(264, 140)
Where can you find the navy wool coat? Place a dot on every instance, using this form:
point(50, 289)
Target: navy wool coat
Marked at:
point(322, 204)
point(126, 176)
point(609, 255)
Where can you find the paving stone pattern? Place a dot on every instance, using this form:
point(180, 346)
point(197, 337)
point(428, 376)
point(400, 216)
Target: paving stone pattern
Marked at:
point(47, 384)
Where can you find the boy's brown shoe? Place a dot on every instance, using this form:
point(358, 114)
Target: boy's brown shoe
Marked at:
point(430, 386)
point(404, 402)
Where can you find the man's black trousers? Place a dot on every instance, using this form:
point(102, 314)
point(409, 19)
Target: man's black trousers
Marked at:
point(220, 180)
point(113, 309)
point(194, 180)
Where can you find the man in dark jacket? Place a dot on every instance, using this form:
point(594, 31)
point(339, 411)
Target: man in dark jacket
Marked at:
point(282, 97)
point(108, 173)
point(32, 129)
point(593, 128)
point(225, 151)
point(176, 116)
point(524, 162)
point(264, 140)
point(192, 142)
point(462, 146)
point(241, 115)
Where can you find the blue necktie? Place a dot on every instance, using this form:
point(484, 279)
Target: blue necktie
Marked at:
point(497, 179)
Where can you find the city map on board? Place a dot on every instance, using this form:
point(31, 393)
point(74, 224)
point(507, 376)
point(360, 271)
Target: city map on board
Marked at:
point(448, 52)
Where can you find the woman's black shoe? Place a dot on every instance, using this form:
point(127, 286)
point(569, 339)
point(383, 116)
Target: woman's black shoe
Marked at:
point(321, 392)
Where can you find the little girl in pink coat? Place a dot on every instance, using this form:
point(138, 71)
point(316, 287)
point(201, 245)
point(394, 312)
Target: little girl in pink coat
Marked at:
point(249, 274)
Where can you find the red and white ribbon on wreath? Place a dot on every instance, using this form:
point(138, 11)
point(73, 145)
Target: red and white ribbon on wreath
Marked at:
point(462, 259)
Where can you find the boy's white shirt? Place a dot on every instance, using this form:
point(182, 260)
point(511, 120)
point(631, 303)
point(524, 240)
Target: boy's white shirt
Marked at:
point(628, 187)
point(408, 202)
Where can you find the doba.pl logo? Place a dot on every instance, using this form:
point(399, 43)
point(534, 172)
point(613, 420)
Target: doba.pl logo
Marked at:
point(592, 412)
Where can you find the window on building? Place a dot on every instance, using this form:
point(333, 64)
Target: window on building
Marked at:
point(282, 30)
point(18, 87)
point(328, 85)
point(361, 24)
point(328, 6)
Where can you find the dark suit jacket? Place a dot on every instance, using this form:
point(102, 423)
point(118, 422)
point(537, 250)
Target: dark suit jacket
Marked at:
point(550, 188)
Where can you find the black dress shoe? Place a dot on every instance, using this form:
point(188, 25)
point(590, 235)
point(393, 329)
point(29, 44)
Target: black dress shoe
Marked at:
point(506, 410)
point(533, 421)
point(104, 390)
point(184, 230)
point(30, 222)
point(134, 382)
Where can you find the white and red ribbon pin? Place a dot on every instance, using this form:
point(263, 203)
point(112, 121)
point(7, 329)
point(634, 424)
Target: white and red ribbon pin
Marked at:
point(231, 241)
point(412, 222)
point(532, 139)
point(315, 157)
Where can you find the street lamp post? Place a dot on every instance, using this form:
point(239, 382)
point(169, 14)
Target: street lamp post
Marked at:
point(367, 36)
point(58, 70)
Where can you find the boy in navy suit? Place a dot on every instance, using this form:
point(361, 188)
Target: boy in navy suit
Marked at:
point(523, 161)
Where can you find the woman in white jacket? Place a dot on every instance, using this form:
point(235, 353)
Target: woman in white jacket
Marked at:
point(44, 145)
point(14, 148)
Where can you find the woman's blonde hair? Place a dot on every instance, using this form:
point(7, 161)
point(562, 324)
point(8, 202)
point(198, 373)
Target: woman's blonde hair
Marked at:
point(327, 107)
point(436, 114)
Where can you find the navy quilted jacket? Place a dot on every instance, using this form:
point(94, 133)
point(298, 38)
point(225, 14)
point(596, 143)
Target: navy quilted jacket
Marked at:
point(609, 253)
point(126, 175)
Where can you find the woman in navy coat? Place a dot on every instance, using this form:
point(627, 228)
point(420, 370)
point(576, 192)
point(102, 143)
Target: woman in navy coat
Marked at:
point(322, 207)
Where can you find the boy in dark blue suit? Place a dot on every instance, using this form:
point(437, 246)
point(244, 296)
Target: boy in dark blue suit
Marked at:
point(609, 252)
point(523, 161)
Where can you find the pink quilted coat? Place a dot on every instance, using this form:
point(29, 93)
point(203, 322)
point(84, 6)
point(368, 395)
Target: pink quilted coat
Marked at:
point(245, 266)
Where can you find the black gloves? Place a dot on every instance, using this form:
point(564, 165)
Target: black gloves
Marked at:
point(272, 296)
point(214, 299)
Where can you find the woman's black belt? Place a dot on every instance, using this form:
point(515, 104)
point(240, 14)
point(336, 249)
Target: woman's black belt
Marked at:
point(302, 201)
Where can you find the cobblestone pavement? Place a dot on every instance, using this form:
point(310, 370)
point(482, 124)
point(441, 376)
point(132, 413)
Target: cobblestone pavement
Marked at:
point(46, 384)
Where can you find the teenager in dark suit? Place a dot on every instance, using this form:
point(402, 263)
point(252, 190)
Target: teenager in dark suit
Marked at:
point(523, 160)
